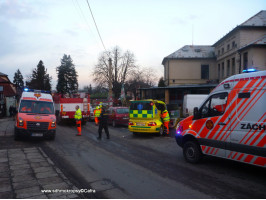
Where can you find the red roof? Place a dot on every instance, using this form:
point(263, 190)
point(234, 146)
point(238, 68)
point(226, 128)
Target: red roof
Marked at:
point(9, 91)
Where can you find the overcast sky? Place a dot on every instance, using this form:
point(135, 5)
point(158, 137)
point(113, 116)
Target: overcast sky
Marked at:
point(34, 30)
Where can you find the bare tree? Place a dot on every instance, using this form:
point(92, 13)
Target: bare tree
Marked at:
point(141, 78)
point(122, 65)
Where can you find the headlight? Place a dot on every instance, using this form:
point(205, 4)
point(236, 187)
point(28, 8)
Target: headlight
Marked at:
point(20, 122)
point(179, 129)
point(53, 124)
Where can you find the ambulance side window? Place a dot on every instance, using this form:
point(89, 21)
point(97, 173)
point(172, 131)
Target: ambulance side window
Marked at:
point(214, 106)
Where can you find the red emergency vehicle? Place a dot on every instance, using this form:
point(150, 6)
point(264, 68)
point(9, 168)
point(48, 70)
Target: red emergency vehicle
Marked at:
point(65, 107)
point(36, 115)
point(230, 123)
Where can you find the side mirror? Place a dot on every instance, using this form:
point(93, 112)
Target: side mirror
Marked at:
point(196, 113)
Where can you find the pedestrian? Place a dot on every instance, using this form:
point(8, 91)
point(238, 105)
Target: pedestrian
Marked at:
point(78, 117)
point(103, 124)
point(166, 119)
point(11, 111)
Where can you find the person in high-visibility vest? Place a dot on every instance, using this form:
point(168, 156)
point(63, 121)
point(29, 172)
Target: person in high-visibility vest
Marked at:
point(97, 113)
point(166, 119)
point(78, 117)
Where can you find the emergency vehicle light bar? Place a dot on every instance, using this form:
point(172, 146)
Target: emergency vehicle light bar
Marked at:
point(249, 70)
point(37, 91)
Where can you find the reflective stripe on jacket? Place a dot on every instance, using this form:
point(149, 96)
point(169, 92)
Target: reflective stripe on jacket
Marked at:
point(78, 114)
point(97, 113)
point(166, 117)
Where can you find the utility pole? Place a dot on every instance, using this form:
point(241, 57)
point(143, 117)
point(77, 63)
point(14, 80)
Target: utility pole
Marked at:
point(110, 93)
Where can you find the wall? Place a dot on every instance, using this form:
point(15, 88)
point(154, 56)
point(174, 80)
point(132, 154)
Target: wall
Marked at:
point(188, 71)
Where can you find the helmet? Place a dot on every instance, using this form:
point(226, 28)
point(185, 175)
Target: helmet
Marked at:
point(97, 107)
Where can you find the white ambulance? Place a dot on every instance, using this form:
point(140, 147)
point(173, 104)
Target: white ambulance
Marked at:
point(230, 123)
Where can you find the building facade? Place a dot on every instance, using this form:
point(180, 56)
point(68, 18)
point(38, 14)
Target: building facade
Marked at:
point(7, 95)
point(242, 48)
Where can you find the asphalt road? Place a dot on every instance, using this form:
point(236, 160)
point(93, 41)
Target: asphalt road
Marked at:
point(147, 166)
point(143, 166)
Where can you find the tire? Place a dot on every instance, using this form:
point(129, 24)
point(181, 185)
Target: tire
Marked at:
point(59, 120)
point(52, 137)
point(16, 136)
point(192, 152)
point(113, 123)
point(161, 132)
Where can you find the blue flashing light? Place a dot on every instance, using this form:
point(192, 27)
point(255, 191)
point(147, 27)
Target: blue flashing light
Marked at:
point(249, 70)
point(36, 91)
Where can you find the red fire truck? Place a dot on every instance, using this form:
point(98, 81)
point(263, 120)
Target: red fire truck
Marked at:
point(65, 107)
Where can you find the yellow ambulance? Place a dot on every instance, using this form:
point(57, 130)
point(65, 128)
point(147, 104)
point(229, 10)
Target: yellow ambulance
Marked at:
point(145, 116)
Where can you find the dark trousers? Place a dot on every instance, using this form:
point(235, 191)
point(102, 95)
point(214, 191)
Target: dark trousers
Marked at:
point(105, 127)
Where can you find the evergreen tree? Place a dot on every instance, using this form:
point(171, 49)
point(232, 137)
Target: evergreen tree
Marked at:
point(39, 78)
point(67, 76)
point(161, 82)
point(18, 79)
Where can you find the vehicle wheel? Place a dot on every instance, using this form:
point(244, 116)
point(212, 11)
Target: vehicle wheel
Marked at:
point(16, 136)
point(135, 133)
point(58, 120)
point(192, 152)
point(52, 137)
point(161, 132)
point(113, 123)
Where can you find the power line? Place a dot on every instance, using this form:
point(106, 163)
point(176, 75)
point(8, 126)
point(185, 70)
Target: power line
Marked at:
point(96, 26)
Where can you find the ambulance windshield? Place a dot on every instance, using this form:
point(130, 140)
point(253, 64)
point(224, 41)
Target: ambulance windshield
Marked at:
point(37, 107)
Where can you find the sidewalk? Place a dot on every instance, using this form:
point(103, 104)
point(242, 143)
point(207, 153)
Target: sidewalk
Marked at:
point(25, 172)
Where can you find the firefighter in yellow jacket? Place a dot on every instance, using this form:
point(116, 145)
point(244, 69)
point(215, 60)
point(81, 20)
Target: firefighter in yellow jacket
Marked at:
point(97, 113)
point(166, 119)
point(78, 117)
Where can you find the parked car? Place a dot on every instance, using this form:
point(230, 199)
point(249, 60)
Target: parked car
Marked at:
point(118, 116)
point(91, 117)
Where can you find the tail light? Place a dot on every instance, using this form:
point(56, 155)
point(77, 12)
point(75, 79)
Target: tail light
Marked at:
point(152, 124)
point(130, 123)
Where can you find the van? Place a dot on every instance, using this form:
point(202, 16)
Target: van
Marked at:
point(36, 115)
point(145, 116)
point(230, 123)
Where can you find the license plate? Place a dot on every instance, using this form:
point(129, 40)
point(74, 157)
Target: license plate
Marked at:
point(140, 124)
point(37, 134)
point(125, 118)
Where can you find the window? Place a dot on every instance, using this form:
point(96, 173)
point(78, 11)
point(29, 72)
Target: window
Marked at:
point(233, 44)
point(233, 66)
point(214, 106)
point(218, 52)
point(222, 50)
point(228, 68)
point(245, 61)
point(122, 110)
point(142, 105)
point(228, 47)
point(38, 107)
point(219, 72)
point(204, 71)
point(222, 70)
